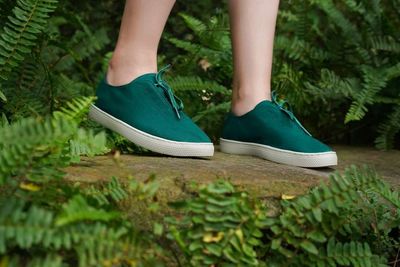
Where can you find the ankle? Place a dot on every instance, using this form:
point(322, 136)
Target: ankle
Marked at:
point(123, 70)
point(244, 101)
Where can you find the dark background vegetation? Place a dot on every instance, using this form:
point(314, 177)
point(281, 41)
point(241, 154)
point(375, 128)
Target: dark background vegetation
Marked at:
point(335, 62)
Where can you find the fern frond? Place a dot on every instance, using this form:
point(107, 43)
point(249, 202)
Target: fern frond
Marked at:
point(112, 191)
point(215, 34)
point(311, 219)
point(197, 26)
point(21, 32)
point(2, 96)
point(392, 72)
point(355, 6)
point(66, 88)
point(373, 82)
point(388, 130)
point(34, 149)
point(288, 15)
point(349, 30)
point(215, 57)
point(385, 43)
point(299, 49)
point(50, 260)
point(193, 49)
point(194, 83)
point(331, 86)
point(76, 109)
point(77, 209)
point(350, 254)
point(21, 227)
point(223, 107)
point(86, 143)
point(86, 42)
point(32, 228)
point(221, 227)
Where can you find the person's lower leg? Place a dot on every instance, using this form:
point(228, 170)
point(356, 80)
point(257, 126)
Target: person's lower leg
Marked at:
point(136, 50)
point(253, 29)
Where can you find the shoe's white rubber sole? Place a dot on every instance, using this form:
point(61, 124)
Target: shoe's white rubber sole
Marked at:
point(148, 141)
point(308, 160)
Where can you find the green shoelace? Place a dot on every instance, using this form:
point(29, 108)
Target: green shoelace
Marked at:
point(176, 103)
point(281, 103)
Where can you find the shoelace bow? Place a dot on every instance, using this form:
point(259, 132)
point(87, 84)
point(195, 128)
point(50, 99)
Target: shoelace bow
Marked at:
point(176, 103)
point(289, 111)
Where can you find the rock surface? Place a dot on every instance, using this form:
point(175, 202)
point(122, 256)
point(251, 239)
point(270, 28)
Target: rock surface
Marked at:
point(257, 176)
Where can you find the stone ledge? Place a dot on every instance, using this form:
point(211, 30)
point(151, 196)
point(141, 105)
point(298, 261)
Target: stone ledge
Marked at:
point(257, 176)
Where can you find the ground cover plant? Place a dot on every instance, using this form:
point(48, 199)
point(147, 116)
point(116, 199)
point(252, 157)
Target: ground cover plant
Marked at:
point(46, 220)
point(52, 53)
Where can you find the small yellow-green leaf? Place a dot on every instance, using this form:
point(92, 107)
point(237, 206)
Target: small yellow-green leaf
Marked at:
point(212, 237)
point(29, 187)
point(287, 197)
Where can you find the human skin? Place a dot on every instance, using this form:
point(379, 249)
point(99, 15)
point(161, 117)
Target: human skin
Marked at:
point(253, 28)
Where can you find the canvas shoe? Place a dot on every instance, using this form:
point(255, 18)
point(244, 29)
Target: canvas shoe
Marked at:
point(271, 131)
point(147, 112)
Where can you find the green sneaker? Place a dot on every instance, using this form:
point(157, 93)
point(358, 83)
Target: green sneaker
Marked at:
point(272, 132)
point(147, 113)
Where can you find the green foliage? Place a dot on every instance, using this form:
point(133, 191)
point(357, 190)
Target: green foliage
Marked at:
point(348, 223)
point(222, 227)
point(34, 149)
point(359, 67)
point(45, 220)
point(351, 78)
point(20, 33)
point(307, 223)
point(44, 65)
point(357, 71)
point(51, 56)
point(204, 70)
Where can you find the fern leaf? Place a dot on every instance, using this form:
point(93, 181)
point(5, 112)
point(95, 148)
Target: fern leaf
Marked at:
point(194, 83)
point(197, 26)
point(50, 260)
point(215, 57)
point(332, 86)
point(388, 130)
point(86, 143)
point(77, 209)
point(2, 96)
point(352, 254)
point(34, 149)
point(113, 191)
point(385, 43)
point(21, 227)
point(373, 82)
point(349, 30)
point(21, 31)
point(212, 109)
point(76, 109)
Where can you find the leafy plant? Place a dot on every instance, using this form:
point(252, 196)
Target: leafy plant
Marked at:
point(204, 70)
point(222, 228)
point(20, 32)
point(326, 227)
point(357, 71)
point(52, 54)
point(358, 68)
point(44, 221)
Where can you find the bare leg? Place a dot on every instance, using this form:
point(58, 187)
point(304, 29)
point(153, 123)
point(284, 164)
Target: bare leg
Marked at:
point(136, 51)
point(253, 29)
